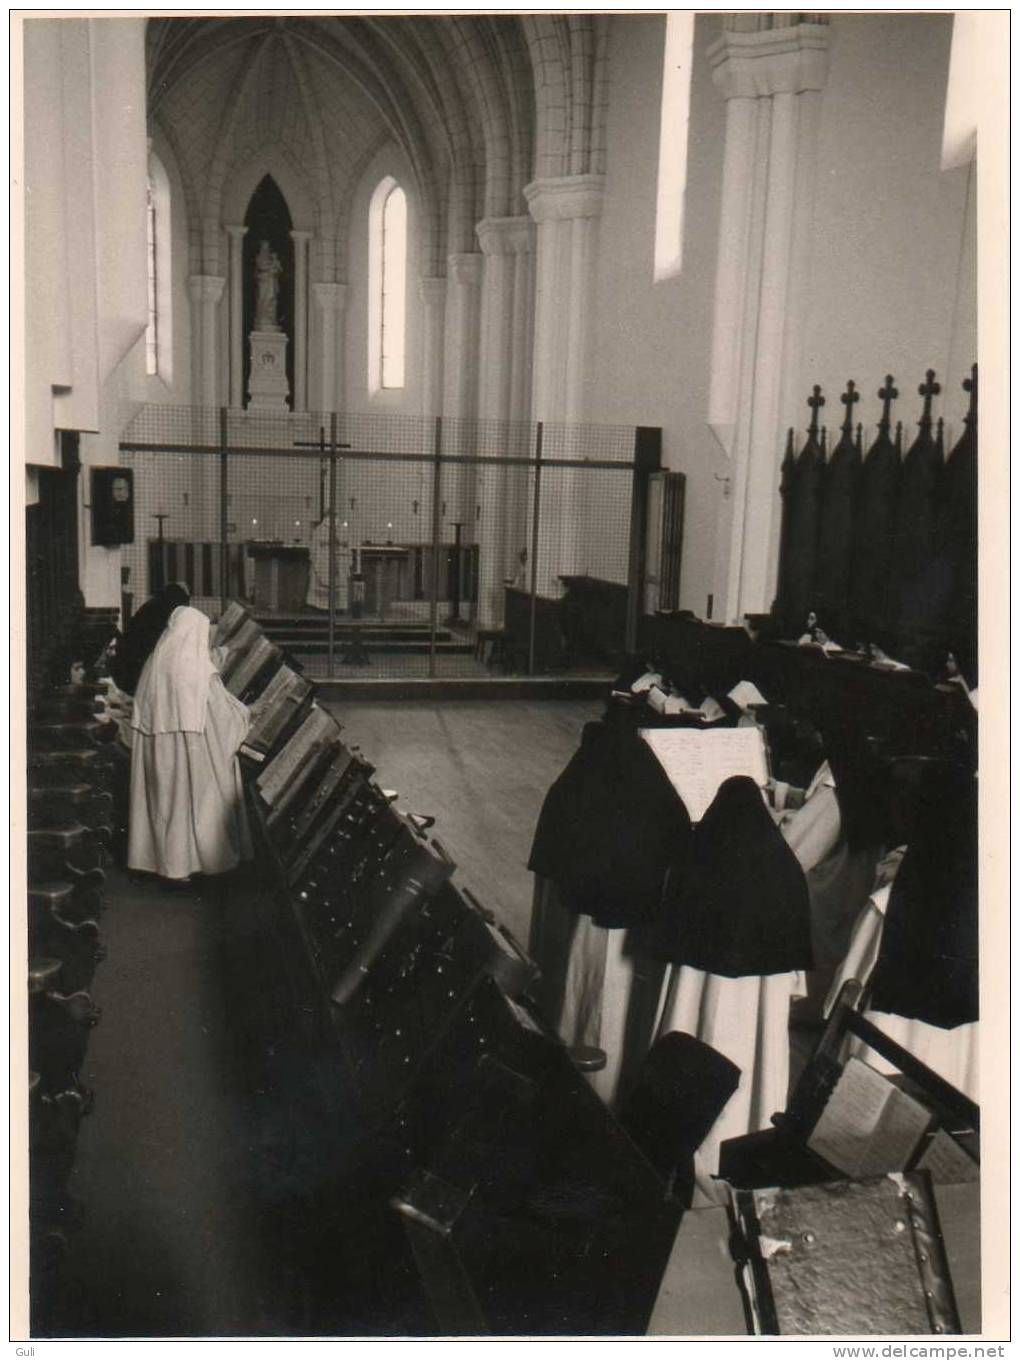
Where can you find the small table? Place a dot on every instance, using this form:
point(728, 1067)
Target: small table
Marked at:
point(381, 564)
point(281, 576)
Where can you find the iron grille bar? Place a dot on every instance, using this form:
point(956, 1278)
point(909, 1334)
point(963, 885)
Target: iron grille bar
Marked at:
point(621, 465)
point(437, 484)
point(535, 519)
point(224, 454)
point(332, 541)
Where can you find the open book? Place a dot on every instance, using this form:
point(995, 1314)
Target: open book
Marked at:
point(697, 762)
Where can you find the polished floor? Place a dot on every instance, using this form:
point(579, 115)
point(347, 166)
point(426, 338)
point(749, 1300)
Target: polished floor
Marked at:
point(482, 769)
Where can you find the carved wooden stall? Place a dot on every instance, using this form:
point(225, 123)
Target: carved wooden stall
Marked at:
point(446, 1106)
point(882, 547)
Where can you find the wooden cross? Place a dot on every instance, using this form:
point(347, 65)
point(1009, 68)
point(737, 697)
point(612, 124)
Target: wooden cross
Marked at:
point(971, 385)
point(848, 398)
point(929, 389)
point(815, 401)
point(160, 517)
point(888, 395)
point(319, 444)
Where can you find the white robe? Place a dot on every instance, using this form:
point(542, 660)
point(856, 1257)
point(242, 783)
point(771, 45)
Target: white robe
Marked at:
point(187, 806)
point(318, 573)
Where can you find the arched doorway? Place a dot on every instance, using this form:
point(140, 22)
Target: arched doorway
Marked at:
point(268, 219)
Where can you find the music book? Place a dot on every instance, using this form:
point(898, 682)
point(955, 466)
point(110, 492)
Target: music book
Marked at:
point(242, 675)
point(274, 708)
point(229, 621)
point(697, 763)
point(317, 729)
point(947, 1162)
point(868, 1126)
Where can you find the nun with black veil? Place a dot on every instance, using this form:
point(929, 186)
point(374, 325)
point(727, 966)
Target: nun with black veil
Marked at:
point(143, 633)
point(187, 812)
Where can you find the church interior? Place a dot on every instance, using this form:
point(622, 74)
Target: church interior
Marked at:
point(566, 427)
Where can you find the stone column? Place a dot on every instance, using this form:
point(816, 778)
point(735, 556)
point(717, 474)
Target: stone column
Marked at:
point(503, 388)
point(566, 210)
point(235, 337)
point(332, 301)
point(771, 80)
point(205, 291)
point(202, 518)
point(432, 292)
point(460, 401)
point(300, 240)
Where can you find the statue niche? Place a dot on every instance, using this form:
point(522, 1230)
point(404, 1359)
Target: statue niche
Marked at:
point(268, 300)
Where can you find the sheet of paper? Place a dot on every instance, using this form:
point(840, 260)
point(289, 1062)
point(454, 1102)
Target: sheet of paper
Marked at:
point(745, 693)
point(645, 682)
point(697, 763)
point(869, 1126)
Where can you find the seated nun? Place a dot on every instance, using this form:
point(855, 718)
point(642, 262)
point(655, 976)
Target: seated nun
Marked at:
point(187, 813)
point(924, 981)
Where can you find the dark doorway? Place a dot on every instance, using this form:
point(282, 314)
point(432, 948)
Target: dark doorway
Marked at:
point(268, 219)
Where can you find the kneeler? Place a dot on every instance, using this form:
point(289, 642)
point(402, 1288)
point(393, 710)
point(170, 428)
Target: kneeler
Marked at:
point(747, 1020)
point(680, 1091)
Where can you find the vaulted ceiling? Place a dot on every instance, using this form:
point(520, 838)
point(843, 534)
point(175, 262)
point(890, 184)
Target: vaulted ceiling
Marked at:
point(478, 105)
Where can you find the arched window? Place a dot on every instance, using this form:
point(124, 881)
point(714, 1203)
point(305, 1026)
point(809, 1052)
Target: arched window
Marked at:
point(158, 330)
point(387, 283)
point(152, 327)
point(676, 100)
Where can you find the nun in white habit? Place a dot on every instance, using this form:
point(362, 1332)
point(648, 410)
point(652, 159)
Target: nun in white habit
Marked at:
point(187, 809)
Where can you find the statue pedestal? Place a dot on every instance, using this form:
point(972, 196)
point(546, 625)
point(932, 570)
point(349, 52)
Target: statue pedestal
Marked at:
point(268, 388)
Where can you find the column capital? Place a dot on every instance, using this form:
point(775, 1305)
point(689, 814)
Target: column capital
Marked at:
point(205, 287)
point(234, 231)
point(330, 297)
point(432, 290)
point(772, 61)
point(300, 235)
point(464, 267)
point(505, 235)
point(565, 196)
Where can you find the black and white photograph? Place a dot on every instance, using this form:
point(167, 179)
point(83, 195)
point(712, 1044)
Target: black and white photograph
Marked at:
point(495, 733)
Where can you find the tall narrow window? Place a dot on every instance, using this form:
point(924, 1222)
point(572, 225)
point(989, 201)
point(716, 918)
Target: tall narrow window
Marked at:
point(159, 326)
point(387, 278)
point(152, 328)
point(676, 99)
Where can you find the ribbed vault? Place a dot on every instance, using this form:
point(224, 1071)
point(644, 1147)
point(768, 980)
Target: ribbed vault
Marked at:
point(478, 105)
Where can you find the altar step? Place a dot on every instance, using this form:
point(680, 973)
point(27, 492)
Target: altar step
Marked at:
point(303, 634)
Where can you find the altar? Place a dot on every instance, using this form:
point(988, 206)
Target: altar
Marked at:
point(380, 565)
point(281, 576)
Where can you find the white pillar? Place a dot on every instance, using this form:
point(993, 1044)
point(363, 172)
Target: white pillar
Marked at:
point(332, 301)
point(567, 210)
point(300, 240)
point(503, 387)
point(771, 80)
point(464, 276)
point(432, 292)
point(235, 336)
point(202, 518)
point(205, 291)
point(460, 403)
